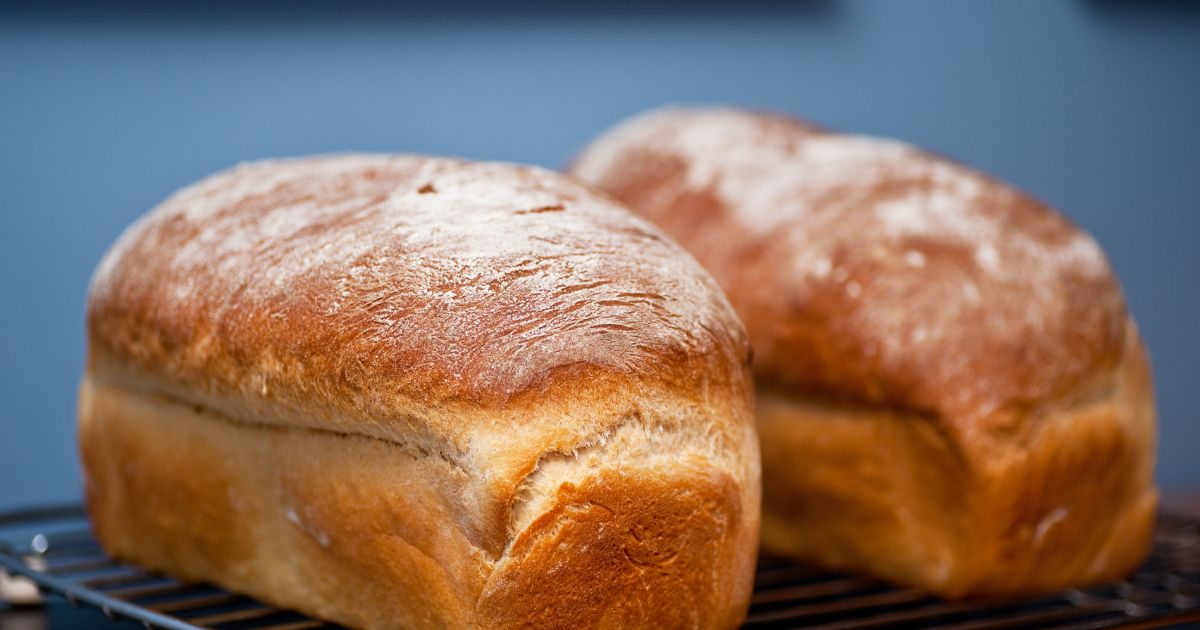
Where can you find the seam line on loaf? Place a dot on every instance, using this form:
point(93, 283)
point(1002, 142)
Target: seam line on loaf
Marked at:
point(411, 447)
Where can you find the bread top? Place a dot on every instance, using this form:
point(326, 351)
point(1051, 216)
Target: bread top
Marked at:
point(350, 290)
point(868, 270)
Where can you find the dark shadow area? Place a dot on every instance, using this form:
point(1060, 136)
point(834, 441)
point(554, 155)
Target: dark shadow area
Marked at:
point(1145, 9)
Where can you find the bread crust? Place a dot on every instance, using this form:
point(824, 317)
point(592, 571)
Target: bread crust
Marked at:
point(859, 265)
point(372, 533)
point(1067, 500)
point(923, 333)
point(305, 384)
point(363, 282)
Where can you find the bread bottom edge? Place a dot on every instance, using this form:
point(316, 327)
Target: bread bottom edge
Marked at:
point(361, 532)
point(894, 495)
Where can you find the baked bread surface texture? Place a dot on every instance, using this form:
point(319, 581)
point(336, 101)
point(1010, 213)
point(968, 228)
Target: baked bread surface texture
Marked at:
point(952, 393)
point(400, 391)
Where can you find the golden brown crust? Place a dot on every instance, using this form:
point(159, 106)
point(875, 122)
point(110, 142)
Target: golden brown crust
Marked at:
point(1068, 501)
point(944, 359)
point(865, 269)
point(662, 535)
point(412, 361)
point(352, 281)
point(365, 532)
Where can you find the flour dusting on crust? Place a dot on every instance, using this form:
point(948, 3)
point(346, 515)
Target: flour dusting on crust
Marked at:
point(408, 274)
point(914, 279)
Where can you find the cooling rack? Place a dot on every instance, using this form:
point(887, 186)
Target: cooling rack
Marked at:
point(51, 552)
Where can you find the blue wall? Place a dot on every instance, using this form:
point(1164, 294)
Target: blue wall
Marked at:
point(1090, 105)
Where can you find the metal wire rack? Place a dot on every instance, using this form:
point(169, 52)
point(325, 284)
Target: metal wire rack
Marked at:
point(52, 551)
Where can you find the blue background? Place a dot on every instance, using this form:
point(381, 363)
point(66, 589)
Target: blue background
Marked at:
point(1090, 105)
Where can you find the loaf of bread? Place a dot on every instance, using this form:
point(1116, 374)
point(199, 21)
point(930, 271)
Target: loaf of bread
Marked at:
point(951, 392)
point(399, 391)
